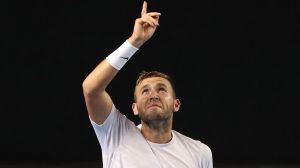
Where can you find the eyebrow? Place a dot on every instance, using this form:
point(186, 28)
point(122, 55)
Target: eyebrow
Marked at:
point(145, 86)
point(159, 84)
point(162, 84)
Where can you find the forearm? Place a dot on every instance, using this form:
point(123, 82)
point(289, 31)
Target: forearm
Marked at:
point(97, 100)
point(103, 74)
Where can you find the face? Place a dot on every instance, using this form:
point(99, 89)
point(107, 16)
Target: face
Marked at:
point(154, 100)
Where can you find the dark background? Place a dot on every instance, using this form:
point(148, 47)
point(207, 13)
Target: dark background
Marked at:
point(235, 64)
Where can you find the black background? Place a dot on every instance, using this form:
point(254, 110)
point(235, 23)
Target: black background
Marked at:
point(235, 64)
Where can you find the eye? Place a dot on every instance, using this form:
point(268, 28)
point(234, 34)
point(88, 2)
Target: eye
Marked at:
point(162, 89)
point(145, 91)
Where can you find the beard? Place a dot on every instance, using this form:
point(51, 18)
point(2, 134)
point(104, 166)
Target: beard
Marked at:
point(156, 119)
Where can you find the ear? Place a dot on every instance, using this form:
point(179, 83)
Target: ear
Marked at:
point(177, 105)
point(134, 109)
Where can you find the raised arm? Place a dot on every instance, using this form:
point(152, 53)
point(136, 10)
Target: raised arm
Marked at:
point(98, 101)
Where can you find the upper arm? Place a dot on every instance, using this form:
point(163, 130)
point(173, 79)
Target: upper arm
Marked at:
point(98, 102)
point(99, 106)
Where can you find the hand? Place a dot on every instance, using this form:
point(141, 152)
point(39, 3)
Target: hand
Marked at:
point(144, 27)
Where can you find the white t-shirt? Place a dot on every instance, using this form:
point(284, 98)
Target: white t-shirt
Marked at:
point(123, 146)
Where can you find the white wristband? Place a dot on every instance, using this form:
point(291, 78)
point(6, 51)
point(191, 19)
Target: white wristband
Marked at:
point(120, 56)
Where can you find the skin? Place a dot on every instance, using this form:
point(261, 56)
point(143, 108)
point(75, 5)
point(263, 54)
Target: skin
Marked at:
point(144, 27)
point(99, 102)
point(155, 105)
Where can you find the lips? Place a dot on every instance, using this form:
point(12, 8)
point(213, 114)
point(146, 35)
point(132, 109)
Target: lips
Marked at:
point(154, 105)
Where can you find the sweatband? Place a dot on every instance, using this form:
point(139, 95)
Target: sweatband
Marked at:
point(120, 56)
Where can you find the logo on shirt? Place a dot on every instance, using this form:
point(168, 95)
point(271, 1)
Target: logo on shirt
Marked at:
point(125, 58)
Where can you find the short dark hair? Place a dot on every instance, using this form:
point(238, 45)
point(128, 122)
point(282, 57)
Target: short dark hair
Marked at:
point(148, 74)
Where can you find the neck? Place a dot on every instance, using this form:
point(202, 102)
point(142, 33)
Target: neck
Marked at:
point(159, 132)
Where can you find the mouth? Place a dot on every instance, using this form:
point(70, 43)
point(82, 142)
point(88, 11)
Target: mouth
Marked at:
point(154, 106)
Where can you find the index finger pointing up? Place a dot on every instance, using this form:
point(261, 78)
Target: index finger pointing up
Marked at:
point(144, 10)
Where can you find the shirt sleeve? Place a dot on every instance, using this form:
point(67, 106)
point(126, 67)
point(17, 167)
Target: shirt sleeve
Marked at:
point(112, 131)
point(207, 159)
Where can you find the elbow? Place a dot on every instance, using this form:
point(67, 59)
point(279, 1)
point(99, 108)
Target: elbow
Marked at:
point(85, 85)
point(90, 90)
point(87, 89)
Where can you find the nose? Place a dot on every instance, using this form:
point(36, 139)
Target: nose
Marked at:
point(154, 95)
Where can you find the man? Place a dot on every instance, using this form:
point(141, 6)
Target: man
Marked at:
point(153, 143)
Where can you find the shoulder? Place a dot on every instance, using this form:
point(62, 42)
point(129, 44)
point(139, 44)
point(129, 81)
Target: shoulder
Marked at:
point(200, 151)
point(115, 120)
point(195, 145)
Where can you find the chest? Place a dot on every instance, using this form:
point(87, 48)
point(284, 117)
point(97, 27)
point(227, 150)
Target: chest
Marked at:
point(174, 156)
point(142, 154)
